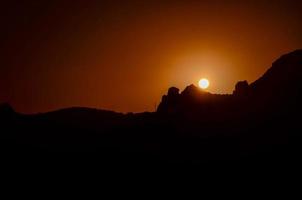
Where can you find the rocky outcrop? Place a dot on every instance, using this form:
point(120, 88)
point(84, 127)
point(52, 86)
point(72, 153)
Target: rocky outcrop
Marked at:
point(279, 87)
point(191, 91)
point(173, 92)
point(175, 102)
point(169, 102)
point(241, 89)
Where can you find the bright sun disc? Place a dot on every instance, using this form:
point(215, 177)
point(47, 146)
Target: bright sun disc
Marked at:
point(204, 83)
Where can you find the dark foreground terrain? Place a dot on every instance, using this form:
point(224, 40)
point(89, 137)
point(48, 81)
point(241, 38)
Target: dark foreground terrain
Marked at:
point(259, 123)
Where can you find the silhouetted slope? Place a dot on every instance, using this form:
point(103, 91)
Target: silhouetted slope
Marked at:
point(257, 123)
point(281, 85)
point(264, 113)
point(283, 78)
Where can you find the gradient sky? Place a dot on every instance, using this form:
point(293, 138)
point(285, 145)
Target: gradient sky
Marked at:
point(124, 55)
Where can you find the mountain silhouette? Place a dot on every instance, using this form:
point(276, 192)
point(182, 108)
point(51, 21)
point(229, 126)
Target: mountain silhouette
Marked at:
point(279, 87)
point(258, 123)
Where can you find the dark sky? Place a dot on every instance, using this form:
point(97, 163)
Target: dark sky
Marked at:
point(123, 55)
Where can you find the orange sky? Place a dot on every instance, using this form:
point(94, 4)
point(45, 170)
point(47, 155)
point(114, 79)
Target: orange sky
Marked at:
point(124, 55)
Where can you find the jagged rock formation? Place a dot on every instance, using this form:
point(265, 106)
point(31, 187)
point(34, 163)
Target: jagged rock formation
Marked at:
point(173, 92)
point(193, 101)
point(169, 102)
point(241, 89)
point(258, 122)
point(279, 86)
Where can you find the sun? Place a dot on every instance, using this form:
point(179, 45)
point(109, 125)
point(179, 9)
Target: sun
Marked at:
point(203, 83)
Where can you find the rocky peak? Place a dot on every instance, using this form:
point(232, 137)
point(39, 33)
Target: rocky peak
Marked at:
point(190, 90)
point(279, 86)
point(241, 88)
point(173, 92)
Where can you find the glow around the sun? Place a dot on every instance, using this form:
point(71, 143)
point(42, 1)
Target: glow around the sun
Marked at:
point(204, 83)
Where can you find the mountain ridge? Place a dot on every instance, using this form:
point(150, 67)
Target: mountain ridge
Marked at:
point(258, 121)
